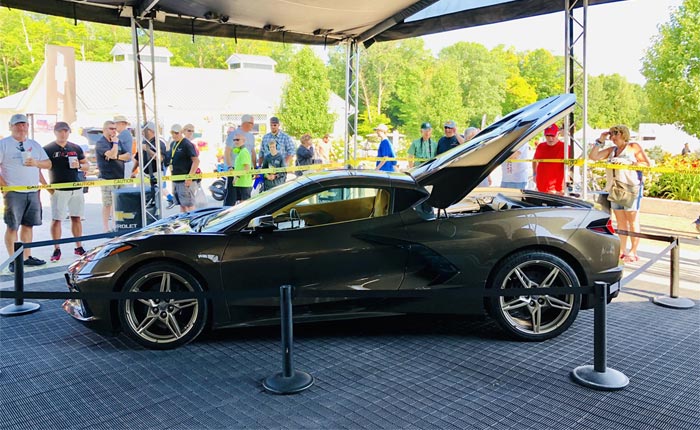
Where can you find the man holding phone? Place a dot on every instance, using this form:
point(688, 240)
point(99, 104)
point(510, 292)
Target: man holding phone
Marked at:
point(21, 159)
point(110, 161)
point(67, 163)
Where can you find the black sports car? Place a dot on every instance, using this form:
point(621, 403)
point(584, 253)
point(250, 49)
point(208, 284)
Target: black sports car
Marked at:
point(364, 230)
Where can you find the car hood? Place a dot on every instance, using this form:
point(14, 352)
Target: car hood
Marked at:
point(183, 223)
point(453, 174)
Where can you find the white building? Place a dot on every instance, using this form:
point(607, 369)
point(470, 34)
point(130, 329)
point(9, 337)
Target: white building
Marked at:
point(211, 99)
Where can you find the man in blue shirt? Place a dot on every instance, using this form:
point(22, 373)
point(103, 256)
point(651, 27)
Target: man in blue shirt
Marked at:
point(385, 150)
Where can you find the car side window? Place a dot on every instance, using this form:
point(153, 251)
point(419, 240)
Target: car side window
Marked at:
point(334, 205)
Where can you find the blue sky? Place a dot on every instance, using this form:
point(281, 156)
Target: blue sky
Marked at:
point(618, 35)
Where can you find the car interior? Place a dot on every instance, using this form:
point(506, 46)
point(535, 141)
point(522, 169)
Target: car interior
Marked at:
point(333, 206)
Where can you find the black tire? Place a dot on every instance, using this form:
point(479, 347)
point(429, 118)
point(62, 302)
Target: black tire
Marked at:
point(163, 324)
point(218, 190)
point(519, 315)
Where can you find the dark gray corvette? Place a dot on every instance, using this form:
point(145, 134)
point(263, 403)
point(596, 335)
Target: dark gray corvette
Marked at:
point(427, 229)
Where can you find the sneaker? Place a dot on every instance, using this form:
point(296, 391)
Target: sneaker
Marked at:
point(32, 261)
point(79, 251)
point(56, 255)
point(171, 204)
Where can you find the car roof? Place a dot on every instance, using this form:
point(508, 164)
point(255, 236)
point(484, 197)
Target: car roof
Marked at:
point(363, 178)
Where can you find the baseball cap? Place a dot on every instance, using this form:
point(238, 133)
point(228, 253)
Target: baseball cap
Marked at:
point(249, 118)
point(274, 120)
point(61, 126)
point(425, 126)
point(450, 124)
point(552, 130)
point(149, 126)
point(177, 128)
point(18, 118)
point(120, 118)
point(382, 127)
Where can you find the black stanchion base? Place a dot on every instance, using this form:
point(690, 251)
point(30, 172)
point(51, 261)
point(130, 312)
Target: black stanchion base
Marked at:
point(673, 302)
point(610, 380)
point(24, 308)
point(298, 382)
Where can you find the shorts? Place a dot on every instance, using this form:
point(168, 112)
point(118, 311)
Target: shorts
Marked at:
point(517, 185)
point(635, 206)
point(107, 192)
point(22, 209)
point(67, 202)
point(184, 195)
point(242, 193)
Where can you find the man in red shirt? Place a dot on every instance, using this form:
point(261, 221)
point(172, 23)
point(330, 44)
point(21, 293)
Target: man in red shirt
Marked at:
point(549, 177)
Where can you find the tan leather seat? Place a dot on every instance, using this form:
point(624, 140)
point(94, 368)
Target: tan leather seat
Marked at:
point(381, 204)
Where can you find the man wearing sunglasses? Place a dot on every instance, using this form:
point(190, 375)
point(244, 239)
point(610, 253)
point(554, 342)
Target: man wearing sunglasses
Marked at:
point(450, 139)
point(21, 159)
point(111, 156)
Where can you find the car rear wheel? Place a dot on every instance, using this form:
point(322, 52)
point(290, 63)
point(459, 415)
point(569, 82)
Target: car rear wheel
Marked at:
point(162, 323)
point(535, 316)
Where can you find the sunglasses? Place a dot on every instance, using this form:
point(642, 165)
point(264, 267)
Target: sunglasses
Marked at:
point(111, 128)
point(238, 140)
point(449, 128)
point(21, 147)
point(614, 132)
point(189, 131)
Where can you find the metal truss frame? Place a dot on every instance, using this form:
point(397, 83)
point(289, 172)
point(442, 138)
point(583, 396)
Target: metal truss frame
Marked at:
point(146, 107)
point(352, 94)
point(576, 77)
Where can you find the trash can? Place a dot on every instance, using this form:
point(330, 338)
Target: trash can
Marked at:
point(127, 208)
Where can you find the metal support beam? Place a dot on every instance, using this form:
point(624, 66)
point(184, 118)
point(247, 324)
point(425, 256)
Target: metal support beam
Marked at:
point(576, 83)
point(145, 91)
point(352, 94)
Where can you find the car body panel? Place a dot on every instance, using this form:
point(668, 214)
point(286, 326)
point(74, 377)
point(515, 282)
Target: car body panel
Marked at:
point(353, 231)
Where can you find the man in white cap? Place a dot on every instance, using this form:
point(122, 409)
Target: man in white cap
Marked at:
point(450, 139)
point(246, 131)
point(126, 142)
point(68, 163)
point(21, 159)
point(385, 150)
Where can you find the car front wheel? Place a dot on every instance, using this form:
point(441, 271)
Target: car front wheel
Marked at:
point(162, 323)
point(535, 316)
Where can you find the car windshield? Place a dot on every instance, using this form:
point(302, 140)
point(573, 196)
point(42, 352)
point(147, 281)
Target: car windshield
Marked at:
point(245, 208)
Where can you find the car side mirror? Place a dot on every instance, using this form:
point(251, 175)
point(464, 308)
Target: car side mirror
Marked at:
point(260, 224)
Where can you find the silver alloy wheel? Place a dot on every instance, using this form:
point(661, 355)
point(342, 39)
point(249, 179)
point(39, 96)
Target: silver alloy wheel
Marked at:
point(166, 320)
point(537, 314)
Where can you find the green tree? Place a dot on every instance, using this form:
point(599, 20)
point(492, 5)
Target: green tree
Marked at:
point(519, 92)
point(304, 106)
point(482, 78)
point(672, 69)
point(443, 93)
point(544, 72)
point(613, 100)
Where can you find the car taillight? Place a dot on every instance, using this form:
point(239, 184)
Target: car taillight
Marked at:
point(602, 227)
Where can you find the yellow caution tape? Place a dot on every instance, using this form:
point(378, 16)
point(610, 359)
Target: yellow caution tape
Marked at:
point(605, 165)
point(317, 167)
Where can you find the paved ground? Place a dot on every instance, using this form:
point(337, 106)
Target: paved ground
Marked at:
point(418, 372)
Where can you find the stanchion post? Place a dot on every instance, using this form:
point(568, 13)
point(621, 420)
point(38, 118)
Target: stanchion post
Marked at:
point(20, 307)
point(600, 376)
point(289, 381)
point(674, 301)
